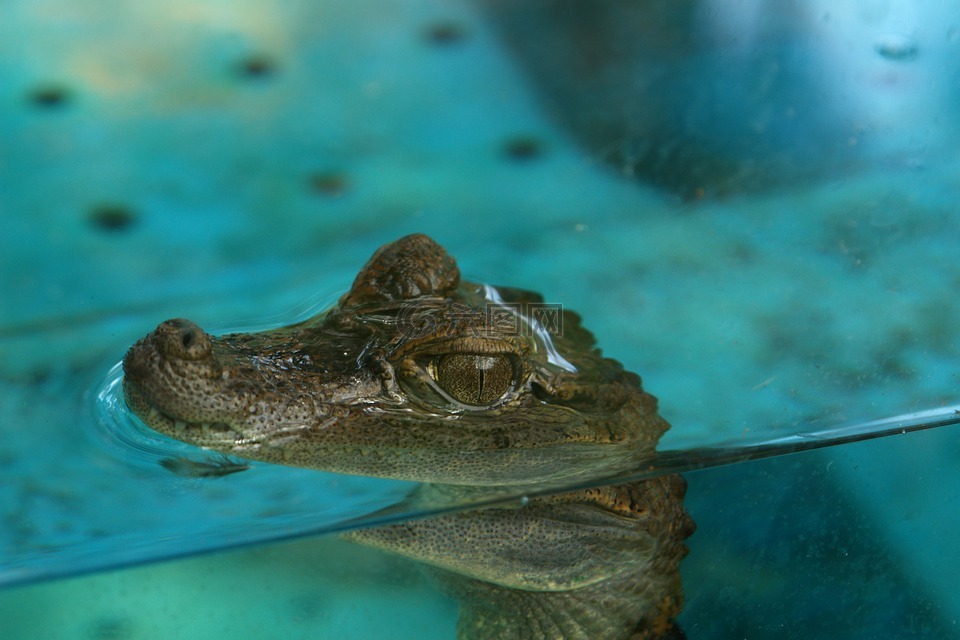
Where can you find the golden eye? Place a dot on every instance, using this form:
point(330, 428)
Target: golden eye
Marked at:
point(472, 379)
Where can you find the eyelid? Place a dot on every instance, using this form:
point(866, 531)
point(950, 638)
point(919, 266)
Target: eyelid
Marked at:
point(474, 346)
point(424, 349)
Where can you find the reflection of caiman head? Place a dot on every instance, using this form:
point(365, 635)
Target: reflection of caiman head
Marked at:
point(413, 375)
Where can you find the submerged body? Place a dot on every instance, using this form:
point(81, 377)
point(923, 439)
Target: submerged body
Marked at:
point(416, 375)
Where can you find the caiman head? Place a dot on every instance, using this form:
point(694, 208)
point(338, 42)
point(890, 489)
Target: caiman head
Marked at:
point(413, 375)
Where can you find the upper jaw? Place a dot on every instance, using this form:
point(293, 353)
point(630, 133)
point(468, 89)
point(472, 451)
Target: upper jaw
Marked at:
point(206, 433)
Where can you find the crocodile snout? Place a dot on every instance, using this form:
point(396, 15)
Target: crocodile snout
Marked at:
point(176, 339)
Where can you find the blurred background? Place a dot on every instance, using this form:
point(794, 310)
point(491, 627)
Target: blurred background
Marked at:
point(751, 203)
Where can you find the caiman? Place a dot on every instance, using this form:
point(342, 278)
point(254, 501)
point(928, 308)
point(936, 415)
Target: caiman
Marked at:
point(416, 375)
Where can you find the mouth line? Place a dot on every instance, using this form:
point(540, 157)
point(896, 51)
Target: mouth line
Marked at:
point(220, 436)
point(213, 431)
point(182, 427)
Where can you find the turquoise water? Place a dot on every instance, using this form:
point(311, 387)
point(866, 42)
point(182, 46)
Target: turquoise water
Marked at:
point(228, 162)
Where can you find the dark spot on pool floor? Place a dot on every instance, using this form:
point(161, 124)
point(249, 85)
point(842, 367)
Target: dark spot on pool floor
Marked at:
point(522, 148)
point(111, 628)
point(445, 33)
point(49, 96)
point(329, 183)
point(257, 66)
point(308, 607)
point(112, 218)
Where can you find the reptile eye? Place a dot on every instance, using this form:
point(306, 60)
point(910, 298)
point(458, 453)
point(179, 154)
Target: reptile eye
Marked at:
point(472, 379)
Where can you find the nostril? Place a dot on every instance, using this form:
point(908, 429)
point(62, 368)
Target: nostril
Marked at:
point(183, 339)
point(188, 337)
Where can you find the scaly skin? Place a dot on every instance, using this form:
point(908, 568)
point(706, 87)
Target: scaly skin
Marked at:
point(418, 376)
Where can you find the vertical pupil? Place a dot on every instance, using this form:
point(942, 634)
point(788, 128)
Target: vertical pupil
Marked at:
point(474, 379)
